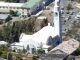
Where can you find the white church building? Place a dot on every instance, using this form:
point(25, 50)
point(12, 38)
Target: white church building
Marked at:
point(47, 36)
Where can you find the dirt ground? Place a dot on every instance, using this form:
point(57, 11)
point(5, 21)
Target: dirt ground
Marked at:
point(46, 13)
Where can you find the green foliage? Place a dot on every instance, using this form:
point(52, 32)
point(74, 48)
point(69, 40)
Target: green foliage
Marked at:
point(40, 51)
point(51, 47)
point(3, 51)
point(1, 22)
point(77, 52)
point(69, 6)
point(15, 1)
point(28, 14)
point(24, 50)
point(11, 32)
point(44, 23)
point(74, 31)
point(10, 57)
point(13, 13)
point(1, 36)
point(6, 32)
point(18, 58)
point(34, 58)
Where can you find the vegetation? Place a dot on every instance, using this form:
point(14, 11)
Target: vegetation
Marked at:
point(77, 52)
point(15, 1)
point(40, 51)
point(6, 53)
point(69, 6)
point(51, 47)
point(1, 22)
point(13, 13)
point(28, 14)
point(3, 51)
point(34, 58)
point(74, 32)
point(11, 32)
point(44, 23)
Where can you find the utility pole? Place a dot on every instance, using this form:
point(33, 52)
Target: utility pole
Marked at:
point(7, 55)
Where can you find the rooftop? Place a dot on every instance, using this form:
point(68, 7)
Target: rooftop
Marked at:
point(11, 4)
point(30, 3)
point(68, 46)
point(43, 33)
point(3, 16)
point(4, 11)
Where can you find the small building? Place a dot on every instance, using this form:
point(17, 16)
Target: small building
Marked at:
point(2, 11)
point(55, 55)
point(30, 6)
point(35, 6)
point(62, 51)
point(11, 6)
point(5, 17)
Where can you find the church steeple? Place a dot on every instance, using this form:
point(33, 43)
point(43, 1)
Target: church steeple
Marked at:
point(57, 20)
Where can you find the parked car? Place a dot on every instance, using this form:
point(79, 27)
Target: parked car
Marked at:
point(62, 8)
point(71, 13)
point(68, 18)
point(67, 12)
point(62, 12)
point(74, 21)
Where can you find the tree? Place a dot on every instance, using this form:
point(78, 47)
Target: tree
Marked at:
point(69, 6)
point(34, 58)
point(40, 51)
point(28, 14)
point(15, 1)
point(44, 23)
point(51, 47)
point(1, 36)
point(24, 50)
point(7, 32)
point(10, 57)
point(1, 22)
point(13, 13)
point(18, 58)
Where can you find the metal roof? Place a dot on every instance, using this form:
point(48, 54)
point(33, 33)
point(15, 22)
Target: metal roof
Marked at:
point(3, 16)
point(30, 3)
point(4, 11)
point(11, 4)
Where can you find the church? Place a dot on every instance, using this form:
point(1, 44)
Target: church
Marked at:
point(47, 36)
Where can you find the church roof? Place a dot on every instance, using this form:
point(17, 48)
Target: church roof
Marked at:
point(40, 36)
point(68, 46)
point(3, 43)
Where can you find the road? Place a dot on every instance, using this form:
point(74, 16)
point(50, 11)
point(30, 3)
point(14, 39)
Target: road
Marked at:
point(68, 23)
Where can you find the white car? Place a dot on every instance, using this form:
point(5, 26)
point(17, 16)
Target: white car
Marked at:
point(62, 8)
point(71, 13)
point(68, 18)
point(62, 12)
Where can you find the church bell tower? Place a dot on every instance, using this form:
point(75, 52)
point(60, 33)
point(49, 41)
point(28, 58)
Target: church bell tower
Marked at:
point(57, 20)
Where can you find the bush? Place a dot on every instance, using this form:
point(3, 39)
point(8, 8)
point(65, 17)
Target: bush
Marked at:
point(1, 22)
point(44, 23)
point(34, 58)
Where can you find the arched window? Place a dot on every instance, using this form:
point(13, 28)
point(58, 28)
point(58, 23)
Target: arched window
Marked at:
point(56, 14)
point(49, 41)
